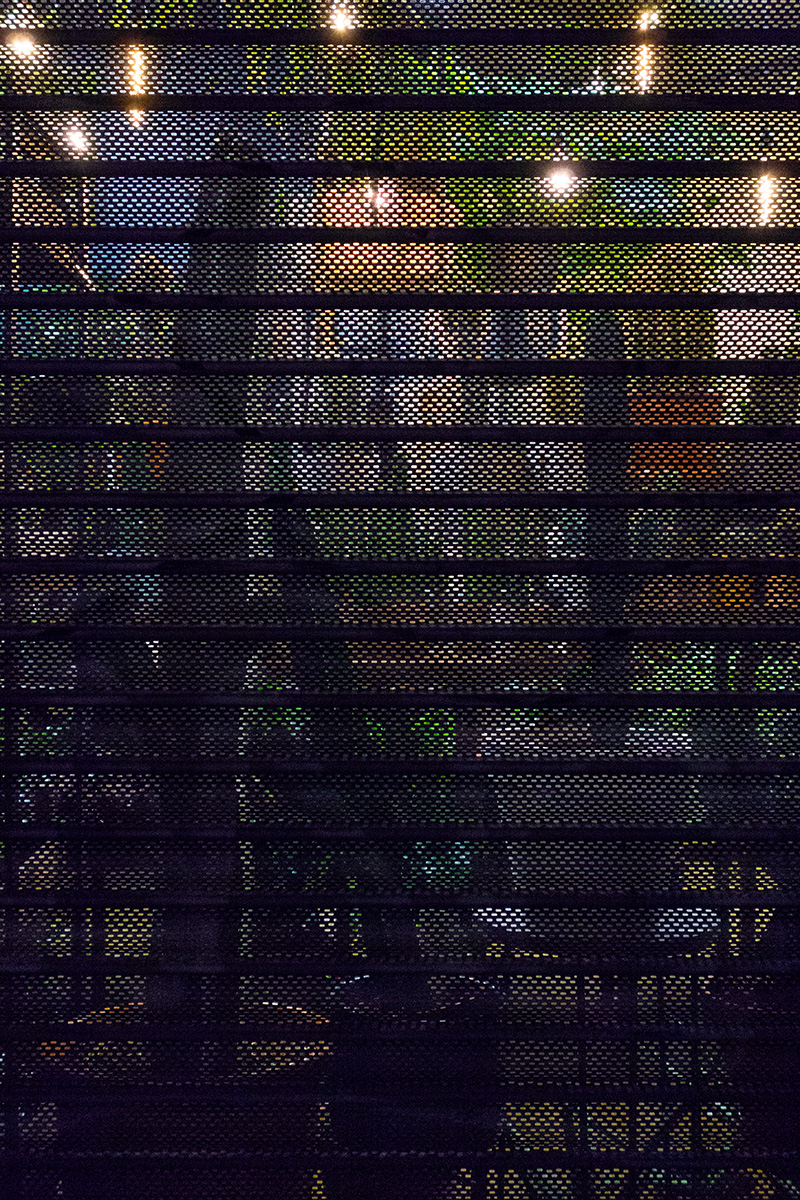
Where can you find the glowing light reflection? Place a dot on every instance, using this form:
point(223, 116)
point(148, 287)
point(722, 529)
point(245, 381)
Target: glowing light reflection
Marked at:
point(561, 180)
point(766, 199)
point(136, 73)
point(644, 68)
point(137, 82)
point(22, 45)
point(375, 197)
point(77, 140)
point(342, 19)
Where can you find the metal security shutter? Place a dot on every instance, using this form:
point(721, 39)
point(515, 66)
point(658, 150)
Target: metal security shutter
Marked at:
point(401, 540)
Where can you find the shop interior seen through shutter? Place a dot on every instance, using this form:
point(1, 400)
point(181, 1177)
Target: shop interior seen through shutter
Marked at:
point(400, 600)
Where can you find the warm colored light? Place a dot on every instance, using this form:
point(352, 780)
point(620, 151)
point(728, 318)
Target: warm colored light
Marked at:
point(137, 82)
point(766, 199)
point(375, 197)
point(136, 73)
point(647, 20)
point(342, 20)
point(77, 140)
point(22, 45)
point(561, 180)
point(644, 68)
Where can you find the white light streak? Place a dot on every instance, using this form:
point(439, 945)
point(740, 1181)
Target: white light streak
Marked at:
point(766, 199)
point(137, 74)
point(644, 68)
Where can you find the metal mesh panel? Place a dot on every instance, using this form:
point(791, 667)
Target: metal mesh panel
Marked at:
point(401, 601)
